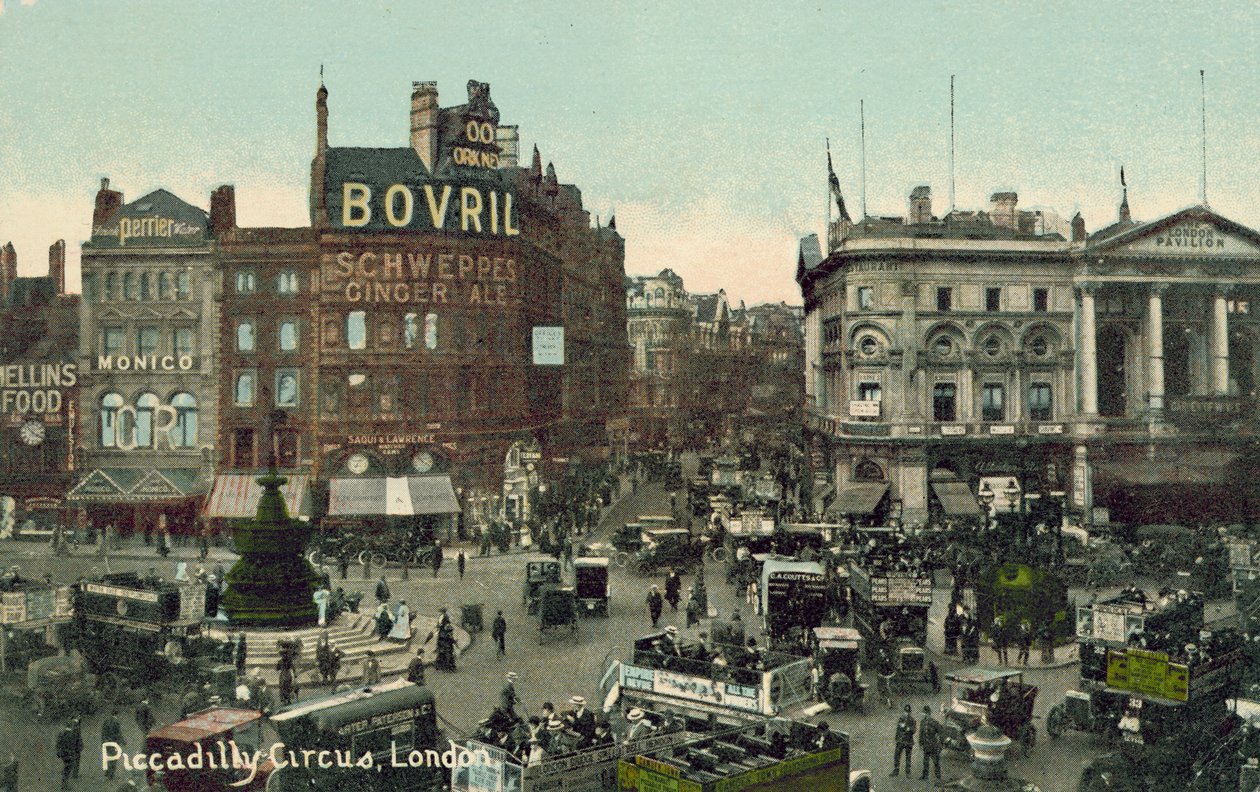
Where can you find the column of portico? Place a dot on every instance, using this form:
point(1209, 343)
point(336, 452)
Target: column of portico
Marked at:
point(1089, 352)
point(1155, 333)
point(1219, 343)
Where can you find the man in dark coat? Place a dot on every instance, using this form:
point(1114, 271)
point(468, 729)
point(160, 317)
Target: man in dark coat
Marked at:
point(285, 676)
point(111, 732)
point(905, 741)
point(655, 605)
point(415, 670)
point(498, 631)
point(144, 718)
point(929, 743)
point(382, 590)
point(460, 560)
point(673, 589)
point(343, 565)
point(9, 774)
point(952, 630)
point(437, 558)
point(1024, 640)
point(240, 654)
point(68, 754)
point(581, 720)
point(1001, 638)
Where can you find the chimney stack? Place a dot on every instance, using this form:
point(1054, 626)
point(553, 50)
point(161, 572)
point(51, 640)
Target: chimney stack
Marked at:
point(1078, 228)
point(509, 140)
point(1002, 209)
point(222, 209)
point(920, 205)
point(57, 265)
point(8, 270)
point(107, 202)
point(424, 122)
point(319, 165)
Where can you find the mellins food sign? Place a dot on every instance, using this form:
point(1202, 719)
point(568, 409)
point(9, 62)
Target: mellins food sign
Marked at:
point(35, 387)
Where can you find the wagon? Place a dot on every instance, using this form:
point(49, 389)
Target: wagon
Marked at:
point(591, 578)
point(62, 685)
point(996, 697)
point(557, 608)
point(537, 575)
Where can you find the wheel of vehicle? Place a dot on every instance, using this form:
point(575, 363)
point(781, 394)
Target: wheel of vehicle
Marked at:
point(364, 558)
point(314, 558)
point(718, 554)
point(621, 559)
point(1054, 721)
point(378, 559)
point(1028, 737)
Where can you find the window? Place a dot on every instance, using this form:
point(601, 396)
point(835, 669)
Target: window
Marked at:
point(992, 299)
point(944, 298)
point(992, 407)
point(183, 285)
point(411, 331)
point(111, 403)
point(385, 332)
point(1232, 306)
point(1040, 406)
point(867, 470)
point(245, 336)
point(184, 433)
point(113, 340)
point(287, 282)
point(660, 298)
point(183, 341)
point(166, 286)
point(89, 288)
point(245, 281)
point(356, 329)
point(430, 331)
point(243, 448)
point(943, 346)
point(332, 395)
point(287, 388)
point(286, 448)
point(357, 401)
point(244, 396)
point(943, 402)
point(868, 346)
point(332, 333)
point(387, 387)
point(992, 346)
point(289, 335)
point(146, 406)
point(146, 292)
point(1041, 299)
point(868, 391)
point(866, 298)
point(129, 287)
point(147, 340)
point(111, 286)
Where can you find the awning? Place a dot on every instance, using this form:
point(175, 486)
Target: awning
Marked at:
point(235, 495)
point(129, 485)
point(395, 496)
point(859, 498)
point(1206, 466)
point(821, 493)
point(956, 498)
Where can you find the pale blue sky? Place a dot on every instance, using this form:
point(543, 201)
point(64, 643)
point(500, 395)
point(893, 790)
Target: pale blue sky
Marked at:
point(701, 123)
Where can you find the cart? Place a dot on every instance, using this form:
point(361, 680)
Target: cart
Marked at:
point(591, 580)
point(557, 608)
point(996, 697)
point(836, 653)
point(537, 575)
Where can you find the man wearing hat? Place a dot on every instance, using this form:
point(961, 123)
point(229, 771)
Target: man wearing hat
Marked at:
point(581, 720)
point(558, 739)
point(905, 741)
point(507, 696)
point(930, 743)
point(144, 718)
point(498, 631)
point(655, 604)
point(640, 726)
point(415, 669)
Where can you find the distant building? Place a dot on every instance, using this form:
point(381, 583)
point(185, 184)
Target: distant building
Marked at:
point(39, 337)
point(659, 327)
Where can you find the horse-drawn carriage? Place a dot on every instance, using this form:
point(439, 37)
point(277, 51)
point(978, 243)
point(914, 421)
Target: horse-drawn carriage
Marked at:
point(537, 575)
point(62, 685)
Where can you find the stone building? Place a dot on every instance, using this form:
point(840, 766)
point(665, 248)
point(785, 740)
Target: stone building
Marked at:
point(1111, 374)
point(659, 327)
point(148, 384)
point(39, 340)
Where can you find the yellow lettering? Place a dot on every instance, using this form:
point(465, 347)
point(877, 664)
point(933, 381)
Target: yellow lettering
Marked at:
point(496, 272)
point(471, 131)
point(354, 292)
point(345, 263)
point(445, 260)
point(465, 266)
point(511, 270)
point(420, 292)
point(355, 196)
point(401, 292)
point(380, 292)
point(438, 213)
point(398, 221)
point(474, 296)
point(469, 208)
point(494, 212)
point(483, 268)
point(419, 264)
point(501, 291)
point(508, 228)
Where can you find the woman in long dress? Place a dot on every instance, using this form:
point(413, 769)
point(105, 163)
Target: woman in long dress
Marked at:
point(401, 631)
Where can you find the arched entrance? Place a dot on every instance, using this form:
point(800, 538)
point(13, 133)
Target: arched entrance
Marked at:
point(1112, 372)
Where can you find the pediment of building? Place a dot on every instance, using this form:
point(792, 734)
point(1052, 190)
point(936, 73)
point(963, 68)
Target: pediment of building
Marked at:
point(1194, 233)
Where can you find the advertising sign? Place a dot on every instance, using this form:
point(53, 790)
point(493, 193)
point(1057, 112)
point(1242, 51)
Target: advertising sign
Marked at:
point(548, 346)
point(1109, 625)
point(864, 409)
point(1147, 673)
point(35, 387)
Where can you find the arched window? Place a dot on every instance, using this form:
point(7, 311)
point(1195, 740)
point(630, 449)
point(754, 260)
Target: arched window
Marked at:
point(245, 281)
point(166, 286)
point(111, 287)
point(146, 292)
point(129, 286)
point(184, 433)
point(245, 336)
point(111, 403)
point(146, 406)
point(411, 330)
point(430, 331)
point(867, 470)
point(660, 297)
point(245, 388)
point(288, 336)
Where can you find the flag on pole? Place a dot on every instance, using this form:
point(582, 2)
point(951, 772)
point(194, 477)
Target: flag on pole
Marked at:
point(1122, 184)
point(834, 182)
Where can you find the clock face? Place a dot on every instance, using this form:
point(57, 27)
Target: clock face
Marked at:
point(357, 464)
point(422, 462)
point(32, 433)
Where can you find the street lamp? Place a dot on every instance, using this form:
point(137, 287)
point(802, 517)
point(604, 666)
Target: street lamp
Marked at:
point(1012, 494)
point(1061, 497)
point(986, 496)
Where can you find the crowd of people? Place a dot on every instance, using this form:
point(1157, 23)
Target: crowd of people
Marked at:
point(531, 739)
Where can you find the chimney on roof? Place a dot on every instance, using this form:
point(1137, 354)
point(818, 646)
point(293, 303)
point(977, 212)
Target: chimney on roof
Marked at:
point(319, 164)
point(424, 122)
point(8, 270)
point(920, 205)
point(1002, 209)
point(57, 265)
point(551, 185)
point(107, 202)
point(509, 140)
point(1078, 228)
point(223, 209)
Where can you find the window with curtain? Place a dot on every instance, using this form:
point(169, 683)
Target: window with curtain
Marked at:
point(183, 285)
point(146, 292)
point(166, 286)
point(411, 331)
point(183, 341)
point(245, 336)
point(245, 281)
point(286, 388)
point(130, 291)
point(1040, 403)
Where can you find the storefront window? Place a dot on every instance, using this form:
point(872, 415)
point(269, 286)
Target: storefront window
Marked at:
point(184, 433)
point(356, 330)
point(111, 403)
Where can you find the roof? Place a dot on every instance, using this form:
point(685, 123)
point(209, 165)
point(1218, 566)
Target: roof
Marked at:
point(197, 727)
point(1199, 213)
point(329, 712)
point(979, 676)
point(590, 562)
point(186, 224)
point(809, 255)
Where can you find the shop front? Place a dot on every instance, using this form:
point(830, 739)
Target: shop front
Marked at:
point(144, 501)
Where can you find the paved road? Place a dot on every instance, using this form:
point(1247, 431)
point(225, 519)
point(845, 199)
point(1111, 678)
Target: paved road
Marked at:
point(565, 665)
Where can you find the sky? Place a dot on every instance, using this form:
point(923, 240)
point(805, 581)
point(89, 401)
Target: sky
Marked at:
point(702, 125)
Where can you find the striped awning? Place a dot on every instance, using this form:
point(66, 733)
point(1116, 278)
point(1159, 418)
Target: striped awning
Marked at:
point(235, 495)
point(391, 497)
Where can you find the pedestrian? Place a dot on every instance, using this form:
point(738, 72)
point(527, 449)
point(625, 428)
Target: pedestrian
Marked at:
point(9, 774)
point(371, 669)
point(288, 690)
point(334, 665)
point(673, 589)
point(241, 651)
point(415, 669)
point(401, 631)
point(323, 658)
point(68, 754)
point(343, 565)
point(752, 595)
point(905, 742)
point(203, 543)
point(997, 633)
point(382, 590)
point(460, 560)
point(144, 718)
point(507, 696)
point(1024, 639)
point(111, 732)
point(384, 621)
point(929, 743)
point(445, 644)
point(952, 629)
point(498, 631)
point(693, 608)
point(437, 558)
point(1047, 644)
point(655, 605)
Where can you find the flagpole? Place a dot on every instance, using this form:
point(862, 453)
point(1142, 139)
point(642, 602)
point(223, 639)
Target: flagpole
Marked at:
point(951, 144)
point(827, 193)
point(1203, 116)
point(862, 113)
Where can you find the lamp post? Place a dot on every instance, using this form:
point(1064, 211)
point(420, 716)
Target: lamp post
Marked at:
point(986, 496)
point(1012, 493)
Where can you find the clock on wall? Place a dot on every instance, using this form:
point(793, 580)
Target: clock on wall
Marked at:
point(357, 464)
point(32, 433)
point(422, 462)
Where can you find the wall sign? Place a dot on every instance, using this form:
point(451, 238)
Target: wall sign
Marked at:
point(35, 387)
point(421, 276)
point(548, 346)
point(145, 363)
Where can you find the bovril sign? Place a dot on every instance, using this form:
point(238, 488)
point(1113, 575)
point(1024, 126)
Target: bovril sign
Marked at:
point(145, 363)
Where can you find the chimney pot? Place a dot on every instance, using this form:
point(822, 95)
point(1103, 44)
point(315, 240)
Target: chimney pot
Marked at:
point(57, 265)
point(424, 122)
point(1078, 228)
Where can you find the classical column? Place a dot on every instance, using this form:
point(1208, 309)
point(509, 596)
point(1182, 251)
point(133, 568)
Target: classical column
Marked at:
point(1089, 352)
point(1219, 344)
point(1155, 332)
